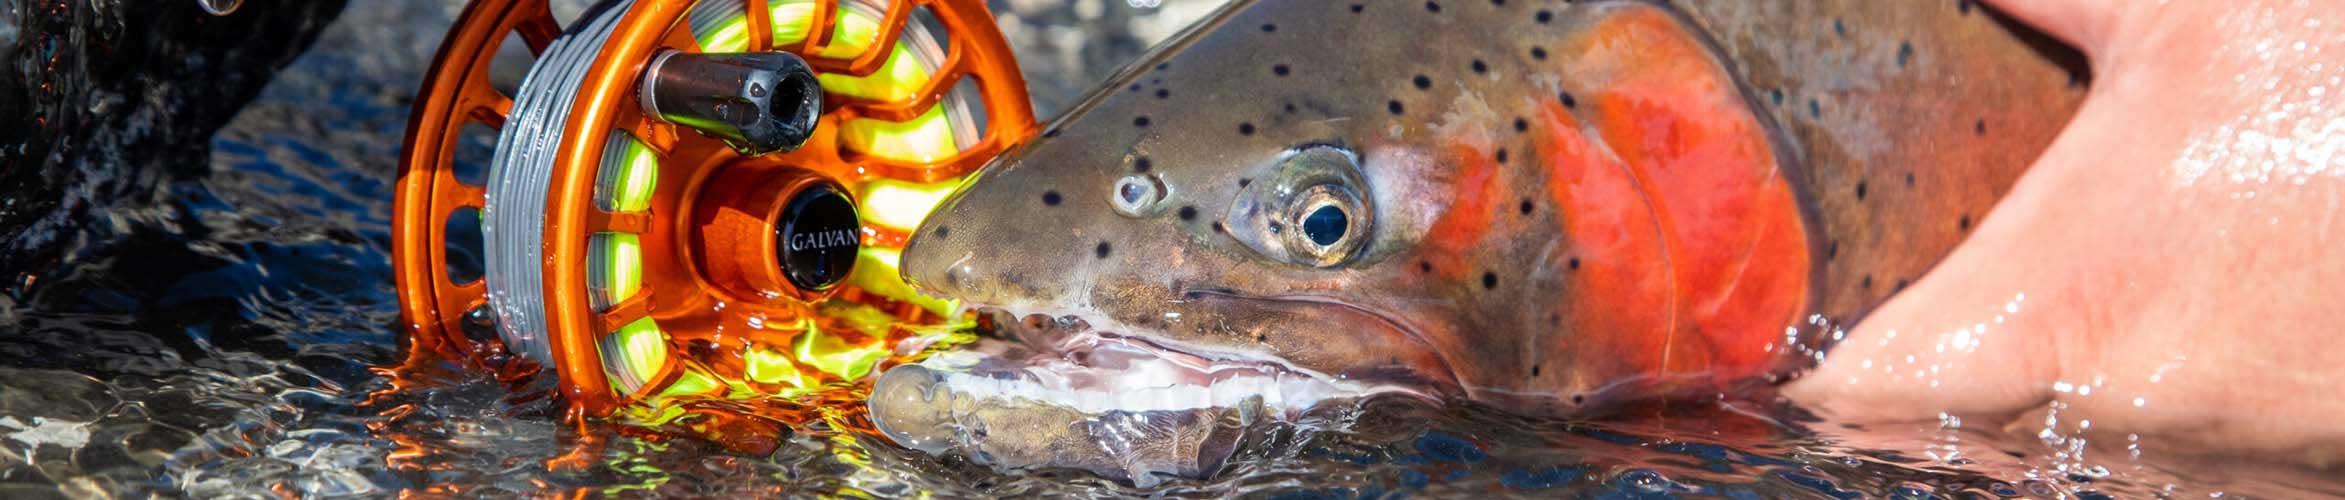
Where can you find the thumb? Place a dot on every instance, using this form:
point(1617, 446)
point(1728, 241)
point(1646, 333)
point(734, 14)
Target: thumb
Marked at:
point(1964, 340)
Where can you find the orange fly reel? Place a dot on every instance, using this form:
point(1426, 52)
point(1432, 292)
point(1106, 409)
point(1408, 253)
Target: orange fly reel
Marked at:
point(695, 198)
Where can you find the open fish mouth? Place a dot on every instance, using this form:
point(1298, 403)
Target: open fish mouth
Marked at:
point(1053, 392)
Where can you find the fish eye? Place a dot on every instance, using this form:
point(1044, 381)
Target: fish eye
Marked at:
point(1136, 195)
point(1308, 207)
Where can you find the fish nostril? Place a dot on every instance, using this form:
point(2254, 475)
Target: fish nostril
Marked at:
point(1137, 195)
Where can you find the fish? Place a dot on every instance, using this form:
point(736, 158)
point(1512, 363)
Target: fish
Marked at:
point(1545, 208)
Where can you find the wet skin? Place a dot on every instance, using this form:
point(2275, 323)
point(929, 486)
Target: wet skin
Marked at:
point(2170, 269)
point(1585, 204)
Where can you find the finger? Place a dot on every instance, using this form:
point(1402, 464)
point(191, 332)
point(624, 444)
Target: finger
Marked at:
point(1968, 339)
point(2085, 24)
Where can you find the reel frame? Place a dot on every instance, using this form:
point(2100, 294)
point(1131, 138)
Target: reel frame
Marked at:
point(674, 287)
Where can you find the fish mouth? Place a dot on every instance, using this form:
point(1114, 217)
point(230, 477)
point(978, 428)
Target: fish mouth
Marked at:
point(1052, 391)
point(1062, 361)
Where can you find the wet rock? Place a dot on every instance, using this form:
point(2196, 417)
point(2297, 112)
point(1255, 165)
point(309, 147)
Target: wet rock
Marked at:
point(107, 100)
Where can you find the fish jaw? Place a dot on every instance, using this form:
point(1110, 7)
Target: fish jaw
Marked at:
point(1132, 407)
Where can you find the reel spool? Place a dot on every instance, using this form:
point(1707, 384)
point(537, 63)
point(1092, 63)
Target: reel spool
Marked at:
point(676, 186)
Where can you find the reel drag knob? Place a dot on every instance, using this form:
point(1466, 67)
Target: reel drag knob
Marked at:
point(758, 102)
point(780, 232)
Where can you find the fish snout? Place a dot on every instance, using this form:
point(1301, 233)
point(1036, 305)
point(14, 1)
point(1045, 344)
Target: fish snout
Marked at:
point(937, 264)
point(996, 242)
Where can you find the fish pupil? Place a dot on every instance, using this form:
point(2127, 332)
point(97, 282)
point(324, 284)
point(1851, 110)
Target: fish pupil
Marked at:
point(1325, 225)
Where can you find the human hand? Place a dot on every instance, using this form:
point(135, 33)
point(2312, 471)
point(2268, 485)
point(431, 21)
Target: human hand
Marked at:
point(2173, 266)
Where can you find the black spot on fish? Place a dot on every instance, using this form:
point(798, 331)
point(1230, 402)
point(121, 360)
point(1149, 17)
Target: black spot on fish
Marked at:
point(1579, 399)
point(1909, 179)
point(1269, 28)
point(1140, 121)
point(1574, 263)
point(1962, 6)
point(1217, 227)
point(1979, 127)
point(1963, 223)
point(1101, 250)
point(942, 231)
point(1521, 125)
point(1163, 93)
point(1356, 8)
point(1501, 155)
point(1278, 69)
point(1839, 28)
point(1815, 109)
point(1526, 207)
point(1489, 280)
point(1777, 95)
point(1142, 164)
point(1500, 3)
point(1265, 338)
point(1433, 7)
point(1188, 212)
point(1900, 286)
point(1393, 106)
point(1050, 198)
point(1534, 370)
point(1424, 266)
point(1480, 68)
point(1867, 283)
point(1543, 16)
point(1422, 82)
point(1904, 52)
point(1539, 53)
point(1245, 129)
point(1242, 182)
point(1832, 250)
point(1135, 87)
point(1163, 66)
point(1860, 190)
point(1290, 108)
point(1568, 100)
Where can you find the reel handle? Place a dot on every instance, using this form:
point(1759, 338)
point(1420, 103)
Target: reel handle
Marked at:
point(758, 102)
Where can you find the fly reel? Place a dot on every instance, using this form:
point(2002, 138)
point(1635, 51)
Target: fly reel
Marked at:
point(679, 186)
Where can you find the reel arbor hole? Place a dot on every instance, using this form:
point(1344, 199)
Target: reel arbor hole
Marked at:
point(462, 233)
point(476, 146)
point(512, 60)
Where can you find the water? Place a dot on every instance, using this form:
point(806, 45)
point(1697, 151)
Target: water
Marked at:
point(195, 299)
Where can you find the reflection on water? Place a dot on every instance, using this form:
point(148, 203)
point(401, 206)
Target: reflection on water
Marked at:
point(220, 323)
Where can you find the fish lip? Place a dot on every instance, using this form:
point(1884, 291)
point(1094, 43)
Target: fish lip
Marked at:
point(1055, 354)
point(1407, 330)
